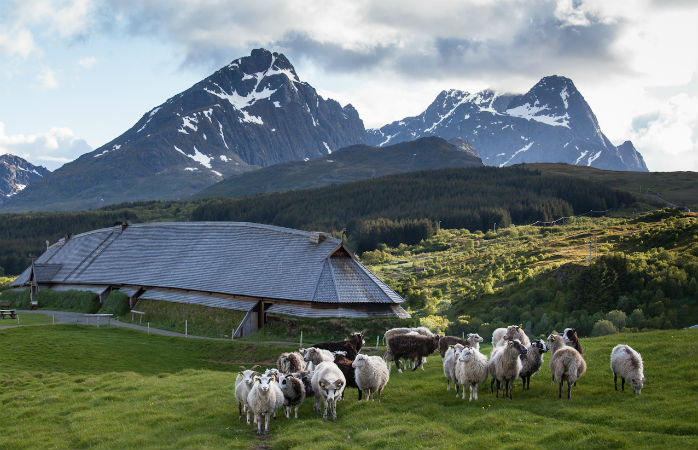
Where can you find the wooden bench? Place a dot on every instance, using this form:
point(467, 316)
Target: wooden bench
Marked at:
point(11, 313)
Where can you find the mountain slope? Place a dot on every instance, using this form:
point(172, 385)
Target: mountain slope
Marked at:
point(252, 113)
point(16, 174)
point(353, 163)
point(550, 123)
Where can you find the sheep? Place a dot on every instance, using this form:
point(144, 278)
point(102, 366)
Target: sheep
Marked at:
point(471, 370)
point(345, 365)
point(501, 335)
point(447, 341)
point(317, 355)
point(412, 346)
point(505, 365)
point(627, 363)
point(243, 385)
point(305, 378)
point(264, 399)
point(290, 362)
point(449, 363)
point(328, 383)
point(371, 374)
point(565, 364)
point(473, 340)
point(294, 394)
point(532, 361)
point(352, 345)
point(388, 357)
point(571, 339)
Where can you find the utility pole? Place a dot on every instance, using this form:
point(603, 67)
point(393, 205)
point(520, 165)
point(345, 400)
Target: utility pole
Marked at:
point(495, 227)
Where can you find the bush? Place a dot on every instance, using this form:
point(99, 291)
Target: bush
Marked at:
point(116, 304)
point(603, 327)
point(17, 299)
point(76, 301)
point(617, 318)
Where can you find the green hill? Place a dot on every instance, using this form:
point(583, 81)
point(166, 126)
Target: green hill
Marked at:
point(349, 164)
point(94, 388)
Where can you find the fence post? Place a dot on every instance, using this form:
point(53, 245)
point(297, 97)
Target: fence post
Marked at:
point(300, 344)
point(17, 319)
point(185, 328)
point(53, 316)
point(377, 340)
point(148, 328)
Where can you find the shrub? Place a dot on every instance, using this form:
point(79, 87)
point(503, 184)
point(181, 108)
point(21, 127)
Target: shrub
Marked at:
point(617, 318)
point(116, 304)
point(17, 299)
point(77, 301)
point(603, 327)
point(637, 317)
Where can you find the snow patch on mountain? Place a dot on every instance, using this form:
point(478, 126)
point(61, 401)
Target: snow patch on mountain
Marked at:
point(532, 112)
point(521, 150)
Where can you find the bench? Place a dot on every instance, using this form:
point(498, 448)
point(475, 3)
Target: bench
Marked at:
point(11, 313)
point(4, 305)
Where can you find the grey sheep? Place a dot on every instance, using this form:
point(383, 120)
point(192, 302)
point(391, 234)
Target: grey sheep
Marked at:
point(243, 385)
point(532, 361)
point(294, 394)
point(328, 384)
point(264, 399)
point(505, 365)
point(471, 370)
point(566, 363)
point(473, 340)
point(371, 374)
point(627, 363)
point(449, 365)
point(290, 363)
point(317, 355)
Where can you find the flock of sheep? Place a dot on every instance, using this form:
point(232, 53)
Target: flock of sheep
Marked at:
point(326, 369)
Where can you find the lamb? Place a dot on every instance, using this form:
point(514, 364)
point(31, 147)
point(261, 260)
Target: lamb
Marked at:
point(505, 365)
point(294, 393)
point(471, 370)
point(290, 362)
point(565, 364)
point(501, 335)
point(317, 355)
point(371, 374)
point(243, 385)
point(532, 361)
point(264, 399)
point(345, 365)
point(627, 363)
point(447, 341)
point(412, 346)
point(449, 363)
point(571, 339)
point(352, 345)
point(328, 383)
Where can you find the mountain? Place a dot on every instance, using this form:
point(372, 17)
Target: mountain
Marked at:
point(550, 123)
point(16, 174)
point(252, 113)
point(352, 163)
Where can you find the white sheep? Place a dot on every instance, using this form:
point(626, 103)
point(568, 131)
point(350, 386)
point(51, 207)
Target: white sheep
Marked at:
point(243, 385)
point(264, 399)
point(505, 365)
point(371, 374)
point(566, 363)
point(627, 363)
point(328, 384)
point(449, 365)
point(501, 335)
point(471, 370)
point(294, 393)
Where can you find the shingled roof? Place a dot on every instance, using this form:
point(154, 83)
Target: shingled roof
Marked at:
point(228, 258)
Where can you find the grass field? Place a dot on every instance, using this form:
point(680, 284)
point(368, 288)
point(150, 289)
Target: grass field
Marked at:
point(27, 319)
point(70, 386)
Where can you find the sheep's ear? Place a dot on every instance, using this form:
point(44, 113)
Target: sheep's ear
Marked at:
point(511, 343)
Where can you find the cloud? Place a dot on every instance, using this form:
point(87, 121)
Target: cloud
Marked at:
point(87, 62)
point(47, 78)
point(18, 41)
point(50, 149)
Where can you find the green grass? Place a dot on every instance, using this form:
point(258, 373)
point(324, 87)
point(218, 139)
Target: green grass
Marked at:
point(27, 319)
point(84, 387)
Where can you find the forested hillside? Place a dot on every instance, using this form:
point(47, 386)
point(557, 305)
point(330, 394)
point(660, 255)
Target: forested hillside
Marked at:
point(599, 275)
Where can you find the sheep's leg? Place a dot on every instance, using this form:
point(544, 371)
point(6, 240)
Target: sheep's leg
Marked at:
point(615, 381)
point(569, 390)
point(528, 382)
point(492, 385)
point(266, 423)
point(324, 415)
point(457, 385)
point(379, 394)
point(240, 410)
point(559, 389)
point(259, 424)
point(287, 410)
point(334, 408)
point(622, 384)
point(247, 413)
point(523, 381)
point(448, 385)
point(397, 364)
point(296, 411)
point(360, 393)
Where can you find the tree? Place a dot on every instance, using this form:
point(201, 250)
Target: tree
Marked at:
point(602, 328)
point(617, 318)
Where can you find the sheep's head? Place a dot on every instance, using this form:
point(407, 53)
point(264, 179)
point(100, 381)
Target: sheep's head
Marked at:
point(465, 354)
point(359, 361)
point(308, 353)
point(540, 345)
point(457, 349)
point(517, 346)
point(570, 335)
point(474, 337)
point(637, 384)
point(331, 388)
point(358, 337)
point(248, 376)
point(272, 373)
point(264, 381)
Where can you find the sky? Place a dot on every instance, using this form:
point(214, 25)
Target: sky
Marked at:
point(75, 74)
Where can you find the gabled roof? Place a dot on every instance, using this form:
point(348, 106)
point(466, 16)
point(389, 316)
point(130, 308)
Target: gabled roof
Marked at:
point(235, 258)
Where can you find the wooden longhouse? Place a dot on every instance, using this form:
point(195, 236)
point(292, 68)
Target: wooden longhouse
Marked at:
point(260, 269)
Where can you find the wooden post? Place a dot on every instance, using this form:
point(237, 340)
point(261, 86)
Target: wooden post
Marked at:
point(185, 328)
point(377, 340)
point(300, 344)
point(148, 328)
